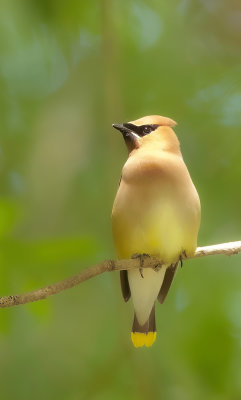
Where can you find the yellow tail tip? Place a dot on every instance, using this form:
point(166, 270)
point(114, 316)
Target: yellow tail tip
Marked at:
point(143, 339)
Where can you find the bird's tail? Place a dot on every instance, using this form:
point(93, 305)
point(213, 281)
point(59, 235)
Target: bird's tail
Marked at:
point(144, 335)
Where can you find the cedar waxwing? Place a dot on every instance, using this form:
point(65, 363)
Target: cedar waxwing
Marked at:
point(156, 212)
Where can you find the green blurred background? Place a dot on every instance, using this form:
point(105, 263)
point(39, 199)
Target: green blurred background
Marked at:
point(68, 70)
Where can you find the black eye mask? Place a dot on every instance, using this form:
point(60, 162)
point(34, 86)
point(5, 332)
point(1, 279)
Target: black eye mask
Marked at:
point(141, 130)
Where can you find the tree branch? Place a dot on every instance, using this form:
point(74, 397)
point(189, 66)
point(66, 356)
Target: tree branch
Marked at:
point(107, 266)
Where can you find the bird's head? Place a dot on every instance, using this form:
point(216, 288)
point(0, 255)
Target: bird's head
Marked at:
point(150, 130)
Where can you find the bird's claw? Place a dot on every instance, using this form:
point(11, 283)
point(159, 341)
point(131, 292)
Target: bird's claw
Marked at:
point(157, 267)
point(142, 259)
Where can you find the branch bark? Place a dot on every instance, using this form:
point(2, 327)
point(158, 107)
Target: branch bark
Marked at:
point(107, 266)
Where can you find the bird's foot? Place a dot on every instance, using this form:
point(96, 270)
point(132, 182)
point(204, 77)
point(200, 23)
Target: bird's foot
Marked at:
point(157, 267)
point(182, 257)
point(141, 257)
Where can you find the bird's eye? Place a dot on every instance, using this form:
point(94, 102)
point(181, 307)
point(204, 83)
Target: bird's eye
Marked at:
point(147, 129)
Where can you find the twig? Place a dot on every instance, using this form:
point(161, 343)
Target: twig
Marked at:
point(109, 265)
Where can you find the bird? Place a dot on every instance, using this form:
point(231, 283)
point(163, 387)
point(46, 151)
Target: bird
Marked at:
point(156, 212)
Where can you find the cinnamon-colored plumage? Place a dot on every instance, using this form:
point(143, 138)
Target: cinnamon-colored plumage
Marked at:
point(157, 212)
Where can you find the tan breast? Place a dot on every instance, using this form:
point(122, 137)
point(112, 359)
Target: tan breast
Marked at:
point(157, 208)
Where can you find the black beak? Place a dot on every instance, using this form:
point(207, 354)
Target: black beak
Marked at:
point(128, 135)
point(123, 129)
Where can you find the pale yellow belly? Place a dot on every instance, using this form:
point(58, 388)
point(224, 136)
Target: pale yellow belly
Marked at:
point(160, 230)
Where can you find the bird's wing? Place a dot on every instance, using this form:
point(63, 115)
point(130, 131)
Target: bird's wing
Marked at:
point(125, 288)
point(167, 281)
